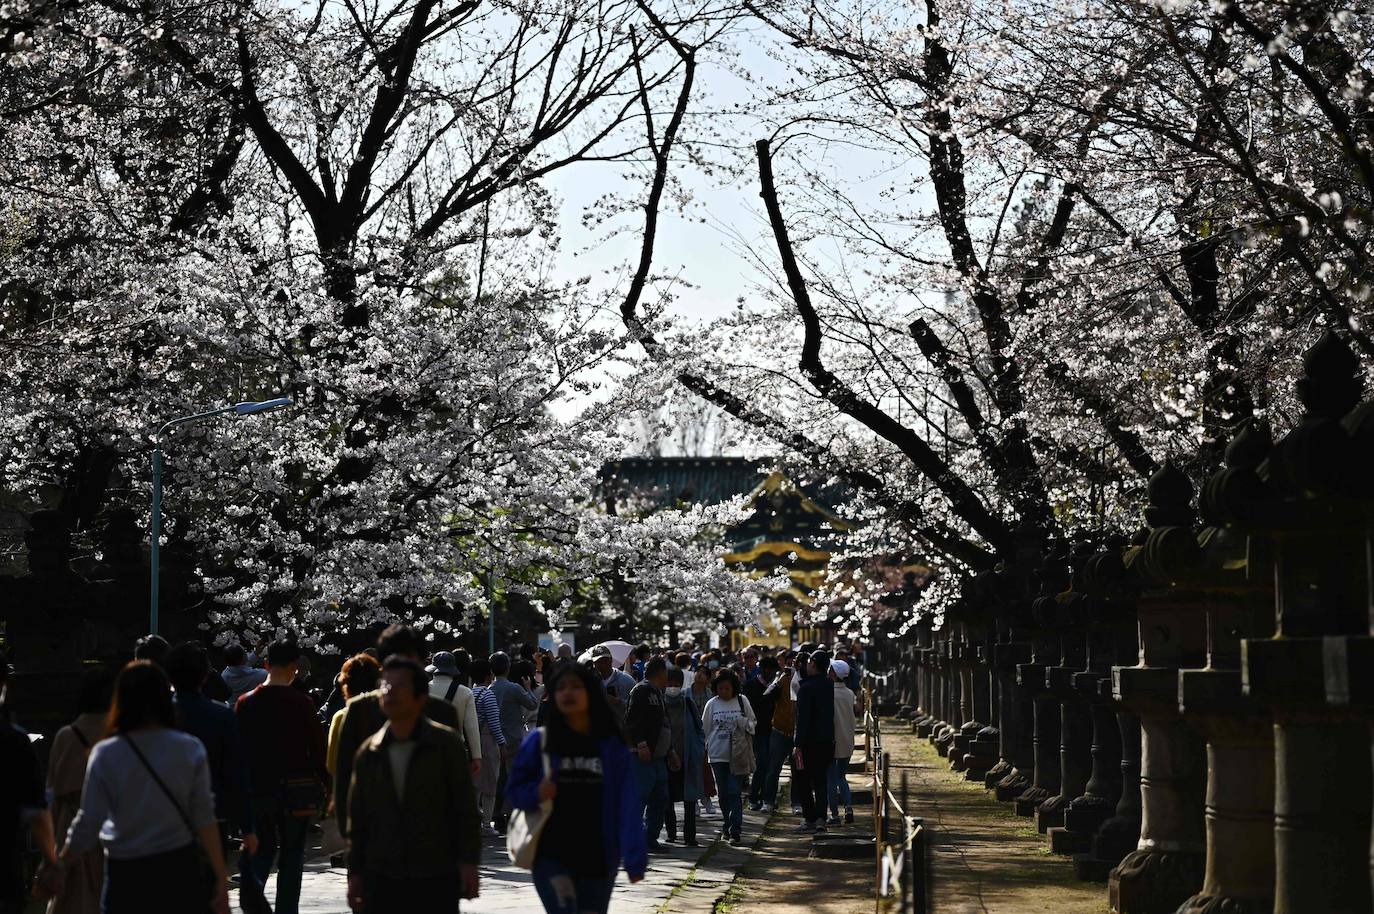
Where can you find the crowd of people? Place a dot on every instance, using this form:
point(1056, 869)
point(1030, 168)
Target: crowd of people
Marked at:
point(172, 768)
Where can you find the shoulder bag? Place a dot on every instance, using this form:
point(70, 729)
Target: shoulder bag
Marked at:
point(742, 760)
point(206, 877)
point(525, 826)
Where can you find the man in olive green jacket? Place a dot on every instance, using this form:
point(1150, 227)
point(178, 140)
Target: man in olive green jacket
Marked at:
point(364, 715)
point(413, 821)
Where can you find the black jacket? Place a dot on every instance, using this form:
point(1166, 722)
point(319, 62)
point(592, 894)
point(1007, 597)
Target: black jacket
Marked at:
point(645, 719)
point(761, 703)
point(815, 711)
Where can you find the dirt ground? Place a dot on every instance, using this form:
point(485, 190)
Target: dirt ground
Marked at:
point(983, 857)
point(782, 879)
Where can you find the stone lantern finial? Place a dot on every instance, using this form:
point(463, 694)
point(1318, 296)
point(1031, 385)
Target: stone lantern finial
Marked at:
point(1331, 382)
point(1171, 497)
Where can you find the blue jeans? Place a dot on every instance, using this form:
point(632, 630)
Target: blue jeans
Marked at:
point(839, 786)
point(563, 893)
point(757, 783)
point(779, 749)
point(652, 780)
point(731, 803)
point(281, 837)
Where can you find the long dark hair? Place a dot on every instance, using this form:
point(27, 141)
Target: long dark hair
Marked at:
point(142, 697)
point(598, 709)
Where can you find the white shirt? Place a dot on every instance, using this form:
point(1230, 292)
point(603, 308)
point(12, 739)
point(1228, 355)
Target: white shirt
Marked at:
point(400, 752)
point(719, 719)
point(844, 721)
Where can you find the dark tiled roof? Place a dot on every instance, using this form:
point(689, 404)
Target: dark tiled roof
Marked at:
point(666, 481)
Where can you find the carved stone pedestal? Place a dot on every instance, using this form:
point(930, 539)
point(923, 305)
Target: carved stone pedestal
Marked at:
point(1169, 861)
point(966, 658)
point(1321, 815)
point(1098, 801)
point(1012, 774)
point(1322, 778)
point(941, 730)
point(1046, 741)
point(1120, 834)
point(1240, 795)
point(1075, 751)
point(980, 755)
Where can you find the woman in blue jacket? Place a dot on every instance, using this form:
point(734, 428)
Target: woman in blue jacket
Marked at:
point(597, 820)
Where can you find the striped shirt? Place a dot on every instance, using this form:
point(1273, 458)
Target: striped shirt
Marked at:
point(489, 712)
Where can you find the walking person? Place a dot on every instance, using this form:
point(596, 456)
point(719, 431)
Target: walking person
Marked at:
point(617, 684)
point(595, 824)
point(24, 812)
point(837, 788)
point(216, 727)
point(284, 745)
point(238, 675)
point(761, 700)
point(781, 732)
point(646, 723)
point(493, 742)
point(71, 749)
point(147, 799)
point(814, 741)
point(359, 675)
point(700, 693)
point(413, 843)
point(727, 719)
point(801, 663)
point(685, 780)
point(448, 684)
point(513, 699)
point(750, 658)
point(363, 715)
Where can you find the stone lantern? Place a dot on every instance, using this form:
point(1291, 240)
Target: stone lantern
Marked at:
point(981, 751)
point(1016, 710)
point(1112, 609)
point(1107, 644)
point(1309, 499)
point(1045, 653)
point(1166, 867)
point(1067, 614)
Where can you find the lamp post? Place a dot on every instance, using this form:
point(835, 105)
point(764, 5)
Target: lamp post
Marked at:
point(249, 408)
point(490, 587)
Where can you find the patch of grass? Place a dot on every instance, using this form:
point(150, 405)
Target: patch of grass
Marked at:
point(726, 903)
point(690, 878)
point(677, 890)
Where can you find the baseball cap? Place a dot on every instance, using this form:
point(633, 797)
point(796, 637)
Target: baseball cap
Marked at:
point(841, 669)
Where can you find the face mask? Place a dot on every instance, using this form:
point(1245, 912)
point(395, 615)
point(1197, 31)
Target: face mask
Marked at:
point(672, 691)
point(712, 664)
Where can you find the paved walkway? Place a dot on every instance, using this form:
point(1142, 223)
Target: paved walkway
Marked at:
point(685, 879)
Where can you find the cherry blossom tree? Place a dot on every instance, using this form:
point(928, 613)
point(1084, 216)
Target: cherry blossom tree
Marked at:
point(1023, 251)
point(344, 202)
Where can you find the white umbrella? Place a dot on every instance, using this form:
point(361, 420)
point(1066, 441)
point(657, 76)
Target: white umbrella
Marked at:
point(619, 651)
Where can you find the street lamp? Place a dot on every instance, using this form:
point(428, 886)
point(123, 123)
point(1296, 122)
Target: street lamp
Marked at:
point(247, 408)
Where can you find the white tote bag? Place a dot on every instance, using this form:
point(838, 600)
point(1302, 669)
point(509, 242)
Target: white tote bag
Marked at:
point(524, 827)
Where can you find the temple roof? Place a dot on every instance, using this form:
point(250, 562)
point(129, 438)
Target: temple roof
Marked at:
point(663, 482)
